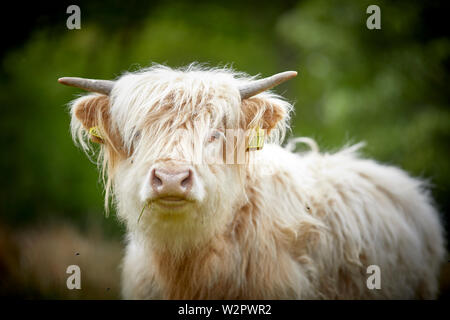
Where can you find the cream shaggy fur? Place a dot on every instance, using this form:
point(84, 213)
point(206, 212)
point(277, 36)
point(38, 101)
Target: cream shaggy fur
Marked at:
point(280, 225)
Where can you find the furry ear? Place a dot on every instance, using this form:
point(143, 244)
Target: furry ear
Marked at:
point(93, 111)
point(267, 112)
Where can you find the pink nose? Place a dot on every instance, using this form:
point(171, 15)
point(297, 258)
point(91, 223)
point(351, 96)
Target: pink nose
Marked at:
point(171, 182)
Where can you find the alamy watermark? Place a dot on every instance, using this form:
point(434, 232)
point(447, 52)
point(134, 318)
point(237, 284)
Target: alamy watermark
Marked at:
point(74, 280)
point(74, 20)
point(374, 20)
point(374, 280)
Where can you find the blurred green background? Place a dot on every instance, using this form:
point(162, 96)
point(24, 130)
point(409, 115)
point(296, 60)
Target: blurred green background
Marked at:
point(387, 87)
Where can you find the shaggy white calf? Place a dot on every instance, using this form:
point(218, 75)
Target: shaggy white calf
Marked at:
point(277, 225)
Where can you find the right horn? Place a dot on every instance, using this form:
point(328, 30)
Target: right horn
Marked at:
point(261, 85)
point(99, 86)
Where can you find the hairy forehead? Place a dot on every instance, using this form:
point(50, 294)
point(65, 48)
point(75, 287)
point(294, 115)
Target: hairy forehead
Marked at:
point(174, 96)
point(162, 83)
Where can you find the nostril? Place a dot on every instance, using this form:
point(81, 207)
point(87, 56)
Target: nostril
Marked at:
point(155, 180)
point(167, 181)
point(186, 182)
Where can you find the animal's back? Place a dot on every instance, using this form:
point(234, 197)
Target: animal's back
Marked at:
point(348, 213)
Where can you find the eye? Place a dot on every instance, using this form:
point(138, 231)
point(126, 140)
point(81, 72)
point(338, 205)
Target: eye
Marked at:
point(215, 135)
point(137, 136)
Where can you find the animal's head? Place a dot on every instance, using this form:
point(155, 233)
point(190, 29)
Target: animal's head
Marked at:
point(174, 144)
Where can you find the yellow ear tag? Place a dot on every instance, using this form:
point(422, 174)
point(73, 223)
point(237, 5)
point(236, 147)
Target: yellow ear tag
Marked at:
point(256, 139)
point(94, 131)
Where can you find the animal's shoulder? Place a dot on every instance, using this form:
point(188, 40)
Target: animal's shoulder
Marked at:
point(342, 168)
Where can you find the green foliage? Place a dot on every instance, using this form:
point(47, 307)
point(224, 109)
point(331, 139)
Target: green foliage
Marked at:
point(380, 86)
point(386, 87)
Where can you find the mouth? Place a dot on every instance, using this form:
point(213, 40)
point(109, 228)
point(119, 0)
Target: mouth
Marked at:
point(171, 202)
point(166, 207)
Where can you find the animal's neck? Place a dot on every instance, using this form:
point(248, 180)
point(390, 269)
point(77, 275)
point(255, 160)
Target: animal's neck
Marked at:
point(196, 273)
point(209, 270)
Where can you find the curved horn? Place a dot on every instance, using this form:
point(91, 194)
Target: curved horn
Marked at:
point(261, 85)
point(100, 86)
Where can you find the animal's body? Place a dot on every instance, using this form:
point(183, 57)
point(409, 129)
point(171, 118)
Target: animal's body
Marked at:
point(282, 226)
point(309, 230)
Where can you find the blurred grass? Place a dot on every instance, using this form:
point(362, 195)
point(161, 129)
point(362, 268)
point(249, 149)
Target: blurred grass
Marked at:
point(34, 260)
point(387, 87)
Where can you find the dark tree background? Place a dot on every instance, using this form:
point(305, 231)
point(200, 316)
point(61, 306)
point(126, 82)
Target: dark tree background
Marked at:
point(386, 87)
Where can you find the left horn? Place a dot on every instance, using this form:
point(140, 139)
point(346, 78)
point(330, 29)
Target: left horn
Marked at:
point(99, 86)
point(261, 85)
